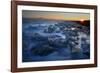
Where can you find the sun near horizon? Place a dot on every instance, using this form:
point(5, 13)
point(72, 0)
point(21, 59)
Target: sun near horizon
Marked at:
point(67, 16)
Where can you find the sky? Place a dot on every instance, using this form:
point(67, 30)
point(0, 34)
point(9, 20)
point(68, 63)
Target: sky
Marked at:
point(56, 15)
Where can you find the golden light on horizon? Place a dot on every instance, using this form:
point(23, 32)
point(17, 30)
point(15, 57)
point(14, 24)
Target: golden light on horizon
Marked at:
point(56, 15)
point(82, 20)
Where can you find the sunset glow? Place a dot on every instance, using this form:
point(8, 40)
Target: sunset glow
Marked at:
point(82, 20)
point(71, 16)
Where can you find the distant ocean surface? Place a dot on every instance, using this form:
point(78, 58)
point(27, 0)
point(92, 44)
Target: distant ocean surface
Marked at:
point(53, 40)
